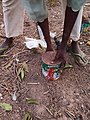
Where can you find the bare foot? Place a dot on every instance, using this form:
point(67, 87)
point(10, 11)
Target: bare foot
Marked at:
point(60, 57)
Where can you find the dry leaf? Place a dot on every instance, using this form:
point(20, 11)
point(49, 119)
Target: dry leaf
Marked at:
point(88, 43)
point(68, 66)
point(22, 75)
point(25, 66)
point(19, 71)
point(27, 116)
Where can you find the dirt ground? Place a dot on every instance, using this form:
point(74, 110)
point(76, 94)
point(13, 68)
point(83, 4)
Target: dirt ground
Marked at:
point(70, 93)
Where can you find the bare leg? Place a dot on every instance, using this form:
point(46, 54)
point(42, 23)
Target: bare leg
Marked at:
point(45, 29)
point(70, 18)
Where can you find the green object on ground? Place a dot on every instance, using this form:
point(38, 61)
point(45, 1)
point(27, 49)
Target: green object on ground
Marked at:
point(6, 106)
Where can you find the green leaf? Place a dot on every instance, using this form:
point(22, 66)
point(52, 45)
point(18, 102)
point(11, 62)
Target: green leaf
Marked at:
point(6, 106)
point(31, 101)
point(27, 116)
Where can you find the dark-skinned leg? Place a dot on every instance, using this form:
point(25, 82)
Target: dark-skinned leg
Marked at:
point(70, 18)
point(6, 45)
point(45, 29)
point(75, 47)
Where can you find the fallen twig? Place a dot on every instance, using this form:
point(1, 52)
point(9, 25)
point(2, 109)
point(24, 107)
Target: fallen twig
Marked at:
point(46, 92)
point(5, 87)
point(71, 115)
point(1, 56)
point(48, 110)
point(33, 83)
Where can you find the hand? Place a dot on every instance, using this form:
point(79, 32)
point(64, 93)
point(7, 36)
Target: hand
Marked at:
point(60, 57)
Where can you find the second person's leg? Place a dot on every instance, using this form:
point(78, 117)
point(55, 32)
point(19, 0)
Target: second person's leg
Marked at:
point(13, 14)
point(38, 12)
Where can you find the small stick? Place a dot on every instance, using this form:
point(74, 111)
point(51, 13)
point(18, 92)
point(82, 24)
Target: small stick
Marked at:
point(33, 83)
point(48, 110)
point(46, 92)
point(71, 115)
